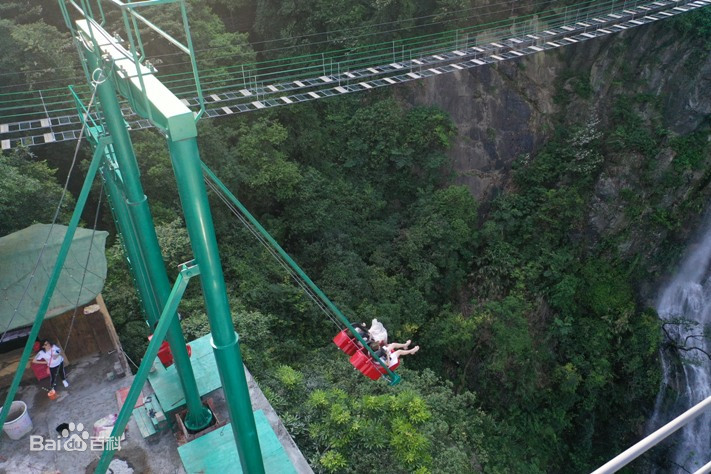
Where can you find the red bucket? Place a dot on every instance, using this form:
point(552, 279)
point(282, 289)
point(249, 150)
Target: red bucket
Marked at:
point(164, 353)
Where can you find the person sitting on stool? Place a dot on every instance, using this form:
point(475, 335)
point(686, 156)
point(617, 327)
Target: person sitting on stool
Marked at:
point(51, 356)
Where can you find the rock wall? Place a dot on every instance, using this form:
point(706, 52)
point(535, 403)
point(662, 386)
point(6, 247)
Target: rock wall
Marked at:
point(501, 112)
point(507, 110)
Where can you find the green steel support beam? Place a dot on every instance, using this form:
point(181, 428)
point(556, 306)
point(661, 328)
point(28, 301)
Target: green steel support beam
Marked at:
point(54, 277)
point(198, 416)
point(394, 378)
point(225, 342)
point(187, 271)
point(150, 98)
point(125, 227)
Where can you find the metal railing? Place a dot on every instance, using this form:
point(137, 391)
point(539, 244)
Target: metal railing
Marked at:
point(626, 457)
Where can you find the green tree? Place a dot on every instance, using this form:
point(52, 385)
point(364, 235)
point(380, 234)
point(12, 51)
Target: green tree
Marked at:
point(343, 423)
point(29, 193)
point(217, 50)
point(36, 54)
point(438, 247)
point(121, 297)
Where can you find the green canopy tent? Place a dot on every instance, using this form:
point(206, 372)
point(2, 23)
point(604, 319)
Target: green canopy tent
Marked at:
point(19, 253)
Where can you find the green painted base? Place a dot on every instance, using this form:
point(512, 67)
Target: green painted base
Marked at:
point(165, 382)
point(198, 421)
point(216, 452)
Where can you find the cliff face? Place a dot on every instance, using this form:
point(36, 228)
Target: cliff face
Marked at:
point(646, 91)
point(505, 111)
point(501, 112)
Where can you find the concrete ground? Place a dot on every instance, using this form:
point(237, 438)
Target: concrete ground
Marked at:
point(89, 397)
point(260, 402)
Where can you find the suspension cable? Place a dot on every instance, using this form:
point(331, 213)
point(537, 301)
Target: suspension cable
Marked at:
point(274, 254)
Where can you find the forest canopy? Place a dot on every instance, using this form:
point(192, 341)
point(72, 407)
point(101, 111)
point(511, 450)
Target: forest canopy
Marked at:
point(532, 328)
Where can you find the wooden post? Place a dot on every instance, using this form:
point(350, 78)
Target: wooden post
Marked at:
point(112, 332)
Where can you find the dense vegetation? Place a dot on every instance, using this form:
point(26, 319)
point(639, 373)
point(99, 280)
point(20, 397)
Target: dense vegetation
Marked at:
point(537, 353)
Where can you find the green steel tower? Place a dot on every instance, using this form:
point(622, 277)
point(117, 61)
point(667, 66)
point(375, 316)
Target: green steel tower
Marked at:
point(117, 71)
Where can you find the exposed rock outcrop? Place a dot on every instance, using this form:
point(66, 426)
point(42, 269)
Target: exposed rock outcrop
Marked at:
point(511, 109)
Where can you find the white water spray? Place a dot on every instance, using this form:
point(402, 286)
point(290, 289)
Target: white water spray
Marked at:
point(685, 308)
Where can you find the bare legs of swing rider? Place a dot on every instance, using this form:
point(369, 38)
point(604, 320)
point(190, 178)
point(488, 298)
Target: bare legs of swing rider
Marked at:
point(401, 349)
point(390, 353)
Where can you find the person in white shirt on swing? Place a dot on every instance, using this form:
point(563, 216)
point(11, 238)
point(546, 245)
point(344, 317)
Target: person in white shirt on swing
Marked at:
point(51, 356)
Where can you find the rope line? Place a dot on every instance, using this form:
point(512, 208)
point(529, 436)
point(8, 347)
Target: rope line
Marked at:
point(86, 266)
point(276, 256)
point(127, 357)
point(309, 292)
point(389, 374)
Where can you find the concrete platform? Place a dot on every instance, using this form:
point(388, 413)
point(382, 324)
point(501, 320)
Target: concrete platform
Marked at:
point(89, 397)
point(164, 382)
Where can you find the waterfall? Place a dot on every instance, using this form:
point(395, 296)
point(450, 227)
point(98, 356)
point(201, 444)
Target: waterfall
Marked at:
point(685, 307)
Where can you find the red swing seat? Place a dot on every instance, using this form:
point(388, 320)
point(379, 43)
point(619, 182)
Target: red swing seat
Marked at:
point(346, 342)
point(360, 358)
point(366, 365)
point(369, 366)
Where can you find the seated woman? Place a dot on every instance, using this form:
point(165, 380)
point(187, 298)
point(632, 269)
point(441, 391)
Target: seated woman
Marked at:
point(378, 333)
point(51, 356)
point(390, 353)
point(362, 330)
